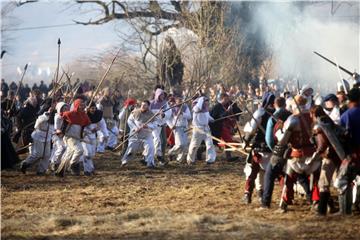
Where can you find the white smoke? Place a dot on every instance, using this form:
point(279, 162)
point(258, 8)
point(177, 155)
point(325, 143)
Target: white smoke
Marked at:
point(294, 34)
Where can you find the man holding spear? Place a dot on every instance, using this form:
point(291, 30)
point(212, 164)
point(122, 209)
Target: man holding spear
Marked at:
point(223, 128)
point(158, 104)
point(178, 122)
point(40, 149)
point(201, 131)
point(141, 123)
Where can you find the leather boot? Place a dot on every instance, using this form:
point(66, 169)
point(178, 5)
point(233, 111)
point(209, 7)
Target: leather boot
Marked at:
point(345, 201)
point(322, 207)
point(247, 198)
point(199, 152)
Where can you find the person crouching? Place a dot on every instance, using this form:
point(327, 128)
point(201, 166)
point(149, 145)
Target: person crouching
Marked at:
point(40, 148)
point(89, 142)
point(141, 137)
point(74, 122)
point(57, 138)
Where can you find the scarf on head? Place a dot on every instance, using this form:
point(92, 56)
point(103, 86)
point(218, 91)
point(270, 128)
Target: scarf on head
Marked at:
point(129, 102)
point(76, 117)
point(157, 103)
point(59, 106)
point(268, 99)
point(204, 108)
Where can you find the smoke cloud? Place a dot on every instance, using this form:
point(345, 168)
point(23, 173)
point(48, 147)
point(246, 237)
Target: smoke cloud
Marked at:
point(293, 33)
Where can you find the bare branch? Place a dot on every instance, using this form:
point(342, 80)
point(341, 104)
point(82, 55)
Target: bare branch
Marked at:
point(154, 11)
point(20, 3)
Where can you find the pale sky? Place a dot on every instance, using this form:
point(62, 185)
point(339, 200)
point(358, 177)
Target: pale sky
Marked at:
point(39, 46)
point(334, 36)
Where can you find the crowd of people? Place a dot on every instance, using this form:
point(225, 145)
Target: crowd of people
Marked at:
point(290, 136)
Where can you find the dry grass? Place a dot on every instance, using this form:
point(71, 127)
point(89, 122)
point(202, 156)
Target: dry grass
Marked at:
point(176, 202)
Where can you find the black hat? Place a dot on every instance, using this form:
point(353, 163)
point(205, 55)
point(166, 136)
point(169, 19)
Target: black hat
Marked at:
point(354, 95)
point(330, 97)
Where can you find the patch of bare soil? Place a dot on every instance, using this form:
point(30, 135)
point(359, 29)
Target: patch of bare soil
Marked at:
point(173, 202)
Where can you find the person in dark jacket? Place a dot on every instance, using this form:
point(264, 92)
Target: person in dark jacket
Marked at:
point(8, 155)
point(25, 121)
point(43, 88)
point(272, 170)
point(223, 129)
point(4, 88)
point(350, 166)
point(260, 153)
point(8, 105)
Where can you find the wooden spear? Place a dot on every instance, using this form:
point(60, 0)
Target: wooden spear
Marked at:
point(102, 79)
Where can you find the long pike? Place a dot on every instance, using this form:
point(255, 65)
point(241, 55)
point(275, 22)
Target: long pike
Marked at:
point(333, 63)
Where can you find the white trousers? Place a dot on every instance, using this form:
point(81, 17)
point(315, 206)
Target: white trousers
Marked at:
point(37, 153)
point(157, 141)
point(57, 151)
point(113, 137)
point(74, 150)
point(259, 181)
point(181, 144)
point(146, 145)
point(102, 142)
point(89, 154)
point(356, 190)
point(196, 139)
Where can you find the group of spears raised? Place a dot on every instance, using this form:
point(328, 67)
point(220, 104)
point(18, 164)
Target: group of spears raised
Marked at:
point(290, 136)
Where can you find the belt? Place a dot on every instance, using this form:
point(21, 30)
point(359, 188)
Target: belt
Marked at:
point(303, 152)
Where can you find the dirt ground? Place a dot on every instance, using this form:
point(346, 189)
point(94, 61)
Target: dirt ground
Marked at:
point(173, 202)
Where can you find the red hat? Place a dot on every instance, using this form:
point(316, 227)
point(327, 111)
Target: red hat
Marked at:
point(129, 102)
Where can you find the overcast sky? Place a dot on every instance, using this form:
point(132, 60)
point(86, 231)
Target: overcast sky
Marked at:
point(39, 46)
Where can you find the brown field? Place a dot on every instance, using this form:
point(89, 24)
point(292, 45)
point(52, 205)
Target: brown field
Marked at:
point(173, 202)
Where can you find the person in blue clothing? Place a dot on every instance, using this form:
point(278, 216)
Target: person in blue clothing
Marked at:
point(279, 117)
point(272, 171)
point(255, 134)
point(350, 166)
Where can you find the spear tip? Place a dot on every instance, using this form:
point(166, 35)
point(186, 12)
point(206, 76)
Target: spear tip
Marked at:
point(59, 41)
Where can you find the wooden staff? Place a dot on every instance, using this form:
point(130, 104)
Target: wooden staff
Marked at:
point(239, 132)
point(222, 141)
point(22, 148)
point(53, 97)
point(126, 116)
point(233, 115)
point(150, 119)
point(68, 78)
point(180, 110)
point(20, 83)
point(229, 116)
point(102, 79)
